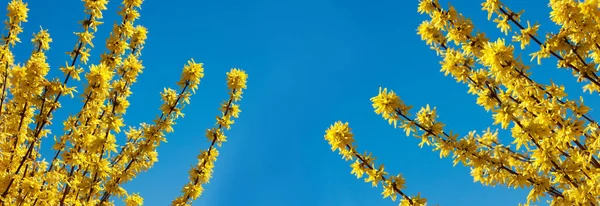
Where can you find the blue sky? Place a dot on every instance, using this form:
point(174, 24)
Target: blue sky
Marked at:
point(310, 63)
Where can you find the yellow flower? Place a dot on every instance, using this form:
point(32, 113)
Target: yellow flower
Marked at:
point(134, 200)
point(339, 135)
point(236, 79)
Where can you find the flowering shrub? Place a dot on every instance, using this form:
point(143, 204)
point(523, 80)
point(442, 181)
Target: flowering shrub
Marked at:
point(556, 144)
point(89, 167)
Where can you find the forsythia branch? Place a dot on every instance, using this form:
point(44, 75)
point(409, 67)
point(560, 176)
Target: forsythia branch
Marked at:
point(202, 172)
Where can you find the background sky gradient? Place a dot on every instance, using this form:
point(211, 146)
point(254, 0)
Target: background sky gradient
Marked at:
point(310, 63)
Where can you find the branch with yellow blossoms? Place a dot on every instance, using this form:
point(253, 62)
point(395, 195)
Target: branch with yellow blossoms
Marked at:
point(578, 21)
point(202, 172)
point(490, 165)
point(144, 154)
point(87, 167)
point(340, 137)
point(17, 14)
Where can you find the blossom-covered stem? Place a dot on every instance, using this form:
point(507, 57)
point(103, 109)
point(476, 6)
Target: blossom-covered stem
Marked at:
point(36, 60)
point(5, 73)
point(43, 118)
point(592, 78)
point(362, 159)
point(26, 105)
point(211, 147)
point(77, 119)
point(202, 172)
point(340, 138)
point(115, 103)
point(17, 14)
point(106, 195)
point(494, 93)
point(388, 105)
point(552, 191)
point(130, 70)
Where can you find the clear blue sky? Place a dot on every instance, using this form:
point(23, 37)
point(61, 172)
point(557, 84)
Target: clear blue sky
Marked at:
point(310, 63)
